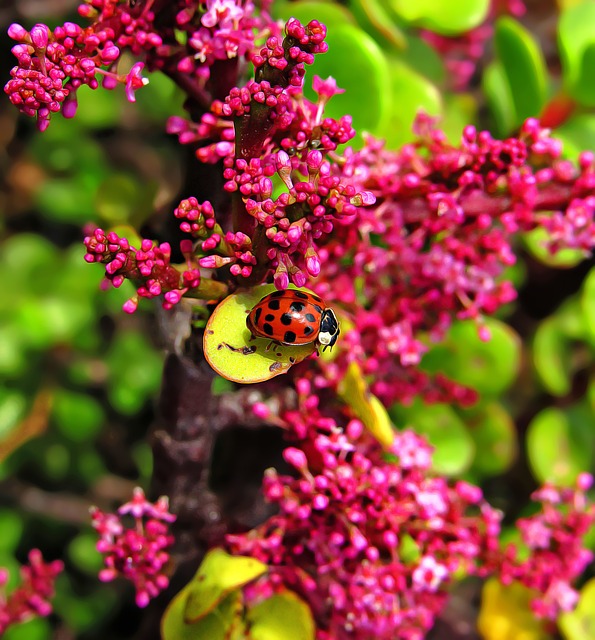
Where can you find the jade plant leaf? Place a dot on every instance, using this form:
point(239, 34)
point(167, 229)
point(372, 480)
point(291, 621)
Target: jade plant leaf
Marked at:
point(495, 437)
point(232, 353)
point(505, 613)
point(453, 446)
point(499, 98)
point(410, 93)
point(580, 623)
point(488, 367)
point(284, 616)
point(224, 622)
point(218, 575)
point(366, 406)
point(536, 240)
point(560, 444)
point(587, 302)
point(576, 40)
point(442, 16)
point(577, 134)
point(524, 67)
point(554, 357)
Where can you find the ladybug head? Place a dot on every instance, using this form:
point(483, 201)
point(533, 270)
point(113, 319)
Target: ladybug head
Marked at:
point(329, 329)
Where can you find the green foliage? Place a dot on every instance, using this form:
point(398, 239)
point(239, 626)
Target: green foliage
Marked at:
point(580, 623)
point(442, 16)
point(211, 607)
point(488, 367)
point(576, 40)
point(523, 66)
point(560, 444)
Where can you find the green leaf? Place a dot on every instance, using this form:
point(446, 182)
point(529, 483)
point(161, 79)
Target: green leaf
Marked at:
point(373, 17)
point(284, 616)
point(587, 301)
point(82, 610)
point(82, 552)
point(536, 243)
point(13, 406)
point(524, 67)
point(78, 417)
point(118, 198)
point(366, 406)
point(11, 525)
point(364, 78)
point(218, 575)
point(410, 93)
point(329, 13)
point(580, 623)
point(442, 16)
point(233, 355)
point(99, 108)
point(223, 623)
point(577, 134)
point(36, 629)
point(505, 613)
point(68, 199)
point(495, 437)
point(135, 371)
point(576, 40)
point(444, 429)
point(488, 367)
point(498, 95)
point(560, 444)
point(552, 358)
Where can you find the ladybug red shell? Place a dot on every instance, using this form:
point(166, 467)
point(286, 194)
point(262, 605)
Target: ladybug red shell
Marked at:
point(293, 317)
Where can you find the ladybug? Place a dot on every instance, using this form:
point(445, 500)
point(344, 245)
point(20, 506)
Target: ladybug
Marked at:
point(293, 317)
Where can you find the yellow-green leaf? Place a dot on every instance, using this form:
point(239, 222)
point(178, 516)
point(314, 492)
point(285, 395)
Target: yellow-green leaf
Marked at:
point(218, 575)
point(223, 623)
point(232, 353)
point(505, 613)
point(366, 406)
point(580, 623)
point(284, 616)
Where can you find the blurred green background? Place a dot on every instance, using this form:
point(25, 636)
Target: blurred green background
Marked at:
point(79, 378)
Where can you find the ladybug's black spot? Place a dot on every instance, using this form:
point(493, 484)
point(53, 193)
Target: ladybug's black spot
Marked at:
point(289, 336)
point(318, 308)
point(267, 328)
point(300, 294)
point(274, 305)
point(310, 317)
point(308, 330)
point(257, 315)
point(297, 306)
point(276, 294)
point(269, 317)
point(286, 319)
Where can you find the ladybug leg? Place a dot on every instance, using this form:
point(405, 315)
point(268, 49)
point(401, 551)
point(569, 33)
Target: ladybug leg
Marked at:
point(269, 345)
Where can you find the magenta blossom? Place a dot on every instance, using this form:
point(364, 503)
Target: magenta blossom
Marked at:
point(137, 553)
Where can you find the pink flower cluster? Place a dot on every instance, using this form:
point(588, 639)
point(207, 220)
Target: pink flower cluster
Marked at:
point(279, 134)
point(556, 555)
point(371, 544)
point(31, 598)
point(52, 65)
point(372, 540)
point(138, 553)
point(149, 267)
point(435, 246)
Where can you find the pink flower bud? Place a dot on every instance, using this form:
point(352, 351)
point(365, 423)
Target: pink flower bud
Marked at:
point(17, 32)
point(296, 458)
point(130, 306)
point(39, 36)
